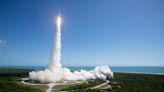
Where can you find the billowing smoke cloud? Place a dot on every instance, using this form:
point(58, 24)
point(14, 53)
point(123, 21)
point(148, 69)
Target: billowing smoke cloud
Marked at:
point(55, 72)
point(64, 74)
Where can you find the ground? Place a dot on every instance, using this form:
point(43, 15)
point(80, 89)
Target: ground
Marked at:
point(122, 82)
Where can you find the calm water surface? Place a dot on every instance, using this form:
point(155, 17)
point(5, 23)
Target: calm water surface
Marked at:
point(128, 69)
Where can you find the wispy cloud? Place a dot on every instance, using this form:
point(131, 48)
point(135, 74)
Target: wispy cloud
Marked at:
point(2, 43)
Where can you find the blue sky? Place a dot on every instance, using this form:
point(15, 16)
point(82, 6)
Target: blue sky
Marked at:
point(112, 32)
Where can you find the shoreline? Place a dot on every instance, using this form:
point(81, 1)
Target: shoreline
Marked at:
point(140, 73)
point(150, 73)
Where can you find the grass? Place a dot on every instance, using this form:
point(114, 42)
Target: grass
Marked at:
point(8, 81)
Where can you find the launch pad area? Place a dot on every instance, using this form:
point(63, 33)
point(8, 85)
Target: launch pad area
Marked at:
point(88, 85)
point(126, 82)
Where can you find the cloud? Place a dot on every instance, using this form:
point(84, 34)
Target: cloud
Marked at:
point(2, 43)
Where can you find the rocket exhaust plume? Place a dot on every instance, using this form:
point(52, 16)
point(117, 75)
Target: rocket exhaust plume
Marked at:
point(55, 72)
point(56, 53)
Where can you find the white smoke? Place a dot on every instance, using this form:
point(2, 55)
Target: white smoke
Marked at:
point(64, 74)
point(55, 72)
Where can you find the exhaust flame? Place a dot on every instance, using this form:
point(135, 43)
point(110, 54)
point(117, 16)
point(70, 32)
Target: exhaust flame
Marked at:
point(58, 22)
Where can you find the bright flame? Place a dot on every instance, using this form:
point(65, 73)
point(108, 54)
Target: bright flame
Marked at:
point(59, 20)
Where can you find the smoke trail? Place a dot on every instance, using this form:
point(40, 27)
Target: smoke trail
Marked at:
point(56, 53)
point(56, 72)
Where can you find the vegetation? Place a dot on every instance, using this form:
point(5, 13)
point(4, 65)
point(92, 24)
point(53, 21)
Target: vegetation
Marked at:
point(126, 82)
point(8, 81)
point(122, 82)
point(139, 82)
point(83, 86)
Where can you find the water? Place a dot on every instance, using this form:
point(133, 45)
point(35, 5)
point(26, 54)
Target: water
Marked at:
point(128, 69)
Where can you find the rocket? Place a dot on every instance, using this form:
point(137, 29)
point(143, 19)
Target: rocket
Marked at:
point(59, 20)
